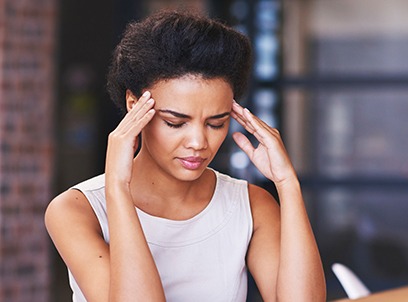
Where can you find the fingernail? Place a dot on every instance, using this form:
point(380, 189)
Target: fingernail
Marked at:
point(146, 93)
point(149, 101)
point(247, 110)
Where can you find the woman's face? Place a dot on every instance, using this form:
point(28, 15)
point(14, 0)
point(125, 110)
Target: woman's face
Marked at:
point(191, 122)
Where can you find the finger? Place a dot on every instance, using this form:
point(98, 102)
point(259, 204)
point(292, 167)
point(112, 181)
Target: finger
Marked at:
point(243, 142)
point(145, 119)
point(140, 107)
point(135, 114)
point(237, 109)
point(142, 100)
point(254, 119)
point(262, 131)
point(242, 112)
point(135, 131)
point(238, 115)
point(130, 132)
point(138, 124)
point(237, 118)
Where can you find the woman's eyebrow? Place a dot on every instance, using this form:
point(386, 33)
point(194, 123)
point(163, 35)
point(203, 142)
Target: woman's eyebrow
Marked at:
point(218, 116)
point(185, 116)
point(175, 113)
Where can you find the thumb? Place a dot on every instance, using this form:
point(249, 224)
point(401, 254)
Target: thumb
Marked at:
point(243, 142)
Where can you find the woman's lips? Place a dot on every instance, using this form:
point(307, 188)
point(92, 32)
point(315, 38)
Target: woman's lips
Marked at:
point(191, 162)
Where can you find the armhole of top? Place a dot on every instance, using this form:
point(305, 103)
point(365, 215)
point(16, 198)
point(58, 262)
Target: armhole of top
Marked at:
point(248, 205)
point(98, 211)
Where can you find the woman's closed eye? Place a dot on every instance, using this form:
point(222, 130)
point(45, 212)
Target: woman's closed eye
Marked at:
point(216, 126)
point(173, 125)
point(179, 125)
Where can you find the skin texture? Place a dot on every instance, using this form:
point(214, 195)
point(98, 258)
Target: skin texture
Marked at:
point(183, 123)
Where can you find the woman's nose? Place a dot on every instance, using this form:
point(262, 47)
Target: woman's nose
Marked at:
point(196, 139)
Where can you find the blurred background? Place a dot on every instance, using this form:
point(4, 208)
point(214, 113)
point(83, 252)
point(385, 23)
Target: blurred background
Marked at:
point(332, 75)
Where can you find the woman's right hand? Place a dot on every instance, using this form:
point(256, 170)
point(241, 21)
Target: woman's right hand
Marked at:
point(124, 140)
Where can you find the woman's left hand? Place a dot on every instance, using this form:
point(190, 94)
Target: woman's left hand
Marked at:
point(270, 156)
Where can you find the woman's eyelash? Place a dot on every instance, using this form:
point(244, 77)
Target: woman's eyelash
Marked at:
point(216, 126)
point(171, 125)
point(174, 125)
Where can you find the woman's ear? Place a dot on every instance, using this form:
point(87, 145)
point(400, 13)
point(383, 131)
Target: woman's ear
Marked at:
point(130, 100)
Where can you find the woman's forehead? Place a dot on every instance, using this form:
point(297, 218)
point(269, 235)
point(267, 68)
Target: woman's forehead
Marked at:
point(193, 94)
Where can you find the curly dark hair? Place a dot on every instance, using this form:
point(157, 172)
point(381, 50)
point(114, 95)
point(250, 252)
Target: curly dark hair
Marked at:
point(169, 45)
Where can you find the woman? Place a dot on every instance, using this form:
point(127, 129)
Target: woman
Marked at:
point(161, 225)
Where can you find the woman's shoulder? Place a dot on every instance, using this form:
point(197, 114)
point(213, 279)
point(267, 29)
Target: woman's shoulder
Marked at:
point(71, 200)
point(264, 207)
point(70, 208)
point(75, 199)
point(259, 194)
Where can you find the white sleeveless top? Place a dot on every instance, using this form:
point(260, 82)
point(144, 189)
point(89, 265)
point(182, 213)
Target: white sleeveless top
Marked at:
point(198, 259)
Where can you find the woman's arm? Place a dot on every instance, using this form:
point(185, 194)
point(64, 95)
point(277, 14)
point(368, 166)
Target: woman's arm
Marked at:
point(134, 276)
point(283, 254)
point(302, 259)
point(77, 235)
point(124, 270)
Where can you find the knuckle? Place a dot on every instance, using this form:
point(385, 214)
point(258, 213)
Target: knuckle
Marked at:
point(276, 131)
point(113, 136)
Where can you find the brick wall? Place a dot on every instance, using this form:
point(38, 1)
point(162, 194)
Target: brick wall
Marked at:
point(27, 34)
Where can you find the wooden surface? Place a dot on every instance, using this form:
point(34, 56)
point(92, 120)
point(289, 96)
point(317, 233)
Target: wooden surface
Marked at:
point(393, 295)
